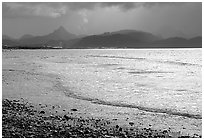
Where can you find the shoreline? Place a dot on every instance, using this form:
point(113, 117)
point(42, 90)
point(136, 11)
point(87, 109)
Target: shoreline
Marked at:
point(118, 104)
point(25, 79)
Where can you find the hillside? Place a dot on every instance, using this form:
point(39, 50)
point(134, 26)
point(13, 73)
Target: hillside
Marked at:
point(118, 39)
point(60, 34)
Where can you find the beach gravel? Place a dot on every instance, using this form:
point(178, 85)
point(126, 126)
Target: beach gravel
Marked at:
point(21, 120)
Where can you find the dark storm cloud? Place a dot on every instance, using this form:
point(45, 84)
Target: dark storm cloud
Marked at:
point(122, 5)
point(38, 18)
point(15, 10)
point(55, 9)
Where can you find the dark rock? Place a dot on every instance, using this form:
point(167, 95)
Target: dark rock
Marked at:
point(73, 109)
point(42, 112)
point(185, 137)
point(131, 123)
point(131, 129)
point(87, 131)
point(67, 117)
point(196, 136)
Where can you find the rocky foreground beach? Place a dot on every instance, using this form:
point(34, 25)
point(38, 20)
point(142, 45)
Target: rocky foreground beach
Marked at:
point(35, 105)
point(22, 120)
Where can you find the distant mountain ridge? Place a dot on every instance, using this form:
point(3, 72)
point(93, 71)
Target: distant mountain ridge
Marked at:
point(26, 36)
point(117, 39)
point(142, 36)
point(122, 38)
point(59, 34)
point(181, 41)
point(6, 37)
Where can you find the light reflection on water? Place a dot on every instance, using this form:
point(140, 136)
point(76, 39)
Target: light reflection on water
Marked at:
point(164, 79)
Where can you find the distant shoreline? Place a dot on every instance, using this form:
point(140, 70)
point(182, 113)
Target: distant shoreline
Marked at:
point(35, 48)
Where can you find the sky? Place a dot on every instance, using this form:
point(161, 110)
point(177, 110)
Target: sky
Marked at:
point(163, 19)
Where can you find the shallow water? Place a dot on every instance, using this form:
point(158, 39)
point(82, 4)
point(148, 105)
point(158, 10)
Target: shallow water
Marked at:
point(166, 81)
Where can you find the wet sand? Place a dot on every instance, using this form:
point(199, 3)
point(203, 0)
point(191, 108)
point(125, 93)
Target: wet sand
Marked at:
point(22, 78)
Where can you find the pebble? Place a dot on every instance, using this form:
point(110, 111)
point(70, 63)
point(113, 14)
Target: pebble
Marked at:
point(131, 123)
point(42, 112)
point(131, 129)
point(32, 113)
point(67, 117)
point(165, 131)
point(73, 109)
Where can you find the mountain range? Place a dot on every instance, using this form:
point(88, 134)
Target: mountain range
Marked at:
point(118, 39)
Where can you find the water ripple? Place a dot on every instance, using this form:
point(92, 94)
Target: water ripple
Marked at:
point(145, 59)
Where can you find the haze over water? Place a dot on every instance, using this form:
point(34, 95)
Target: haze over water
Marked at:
point(165, 81)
